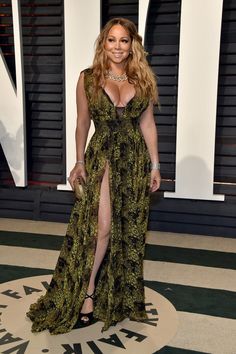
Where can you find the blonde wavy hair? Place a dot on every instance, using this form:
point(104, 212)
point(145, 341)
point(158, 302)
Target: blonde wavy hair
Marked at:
point(137, 69)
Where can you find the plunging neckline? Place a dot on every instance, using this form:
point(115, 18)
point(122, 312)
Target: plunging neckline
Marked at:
point(109, 98)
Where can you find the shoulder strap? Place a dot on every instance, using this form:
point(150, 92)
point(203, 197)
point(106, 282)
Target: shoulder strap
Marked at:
point(87, 79)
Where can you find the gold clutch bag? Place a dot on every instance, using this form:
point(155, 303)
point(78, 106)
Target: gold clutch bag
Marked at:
point(79, 185)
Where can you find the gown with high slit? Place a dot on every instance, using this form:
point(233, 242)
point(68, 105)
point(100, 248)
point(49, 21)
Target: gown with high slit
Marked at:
point(119, 292)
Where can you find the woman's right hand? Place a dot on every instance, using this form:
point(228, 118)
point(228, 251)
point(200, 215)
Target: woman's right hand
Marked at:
point(77, 171)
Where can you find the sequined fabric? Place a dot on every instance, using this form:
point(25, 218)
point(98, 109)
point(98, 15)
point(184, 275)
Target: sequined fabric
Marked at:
point(120, 289)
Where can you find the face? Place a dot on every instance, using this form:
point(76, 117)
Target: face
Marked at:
point(118, 44)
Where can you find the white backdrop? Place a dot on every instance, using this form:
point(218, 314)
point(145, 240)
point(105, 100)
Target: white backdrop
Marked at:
point(12, 107)
point(200, 31)
point(82, 26)
point(197, 91)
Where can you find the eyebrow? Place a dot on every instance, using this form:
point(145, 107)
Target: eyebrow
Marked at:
point(125, 37)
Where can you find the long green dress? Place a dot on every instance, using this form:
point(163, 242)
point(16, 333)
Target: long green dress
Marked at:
point(120, 288)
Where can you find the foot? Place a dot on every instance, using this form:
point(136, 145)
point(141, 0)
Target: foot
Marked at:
point(86, 314)
point(88, 303)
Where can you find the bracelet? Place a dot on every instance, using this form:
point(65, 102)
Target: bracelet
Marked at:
point(79, 161)
point(155, 166)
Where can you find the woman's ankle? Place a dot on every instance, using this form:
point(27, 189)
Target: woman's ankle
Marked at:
point(90, 289)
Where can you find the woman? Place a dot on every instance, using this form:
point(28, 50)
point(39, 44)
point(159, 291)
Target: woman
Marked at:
point(99, 273)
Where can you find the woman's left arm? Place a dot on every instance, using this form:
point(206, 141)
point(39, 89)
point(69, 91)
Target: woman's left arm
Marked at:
point(149, 131)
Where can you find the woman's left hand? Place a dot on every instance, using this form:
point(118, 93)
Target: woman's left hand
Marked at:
point(155, 180)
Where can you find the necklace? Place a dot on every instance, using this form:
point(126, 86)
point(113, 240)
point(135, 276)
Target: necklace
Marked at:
point(114, 77)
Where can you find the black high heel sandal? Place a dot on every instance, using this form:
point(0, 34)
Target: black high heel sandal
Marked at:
point(86, 319)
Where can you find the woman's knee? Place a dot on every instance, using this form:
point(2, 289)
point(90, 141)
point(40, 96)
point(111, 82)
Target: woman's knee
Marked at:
point(103, 231)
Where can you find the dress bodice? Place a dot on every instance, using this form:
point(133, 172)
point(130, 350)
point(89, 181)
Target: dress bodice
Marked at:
point(104, 110)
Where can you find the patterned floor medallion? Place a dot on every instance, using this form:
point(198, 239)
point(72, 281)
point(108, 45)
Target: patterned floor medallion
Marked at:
point(126, 337)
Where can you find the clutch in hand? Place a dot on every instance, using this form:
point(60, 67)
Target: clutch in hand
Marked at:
point(79, 185)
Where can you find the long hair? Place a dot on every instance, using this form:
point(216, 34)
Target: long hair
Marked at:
point(137, 69)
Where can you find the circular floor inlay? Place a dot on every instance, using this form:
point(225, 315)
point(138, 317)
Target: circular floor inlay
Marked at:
point(126, 337)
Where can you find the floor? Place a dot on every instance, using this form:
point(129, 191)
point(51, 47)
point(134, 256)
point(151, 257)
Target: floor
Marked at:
point(190, 285)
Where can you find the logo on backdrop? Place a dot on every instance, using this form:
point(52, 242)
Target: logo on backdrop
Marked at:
point(126, 337)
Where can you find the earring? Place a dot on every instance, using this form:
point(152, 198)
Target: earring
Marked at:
point(131, 52)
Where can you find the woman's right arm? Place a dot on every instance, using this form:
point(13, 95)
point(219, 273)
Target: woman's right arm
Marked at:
point(82, 129)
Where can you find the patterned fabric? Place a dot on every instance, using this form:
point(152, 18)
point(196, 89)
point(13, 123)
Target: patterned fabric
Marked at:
point(119, 288)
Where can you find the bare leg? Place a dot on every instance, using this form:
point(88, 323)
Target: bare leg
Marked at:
point(104, 222)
